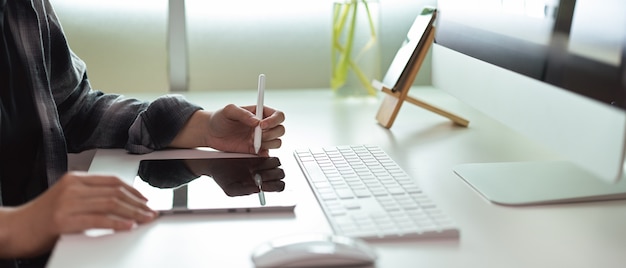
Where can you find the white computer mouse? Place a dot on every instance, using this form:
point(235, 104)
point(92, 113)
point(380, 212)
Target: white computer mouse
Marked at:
point(313, 250)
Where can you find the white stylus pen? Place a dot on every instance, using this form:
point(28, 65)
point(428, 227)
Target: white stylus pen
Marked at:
point(259, 113)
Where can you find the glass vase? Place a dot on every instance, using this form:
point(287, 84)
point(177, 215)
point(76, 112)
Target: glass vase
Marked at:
point(355, 52)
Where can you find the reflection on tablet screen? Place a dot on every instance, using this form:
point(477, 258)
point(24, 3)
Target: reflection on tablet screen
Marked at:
point(214, 185)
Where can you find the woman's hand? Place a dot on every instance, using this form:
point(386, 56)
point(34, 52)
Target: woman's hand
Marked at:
point(77, 202)
point(231, 129)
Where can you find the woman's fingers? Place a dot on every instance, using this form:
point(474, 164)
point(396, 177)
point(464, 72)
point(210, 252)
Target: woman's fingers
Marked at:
point(117, 194)
point(116, 202)
point(273, 118)
point(96, 201)
point(271, 138)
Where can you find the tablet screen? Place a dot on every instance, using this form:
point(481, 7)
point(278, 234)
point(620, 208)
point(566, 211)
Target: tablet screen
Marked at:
point(213, 185)
point(410, 47)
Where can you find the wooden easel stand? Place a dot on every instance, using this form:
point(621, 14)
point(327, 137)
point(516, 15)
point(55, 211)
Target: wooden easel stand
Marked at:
point(394, 98)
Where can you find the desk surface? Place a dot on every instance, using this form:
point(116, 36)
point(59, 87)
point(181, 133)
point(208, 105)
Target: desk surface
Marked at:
point(426, 145)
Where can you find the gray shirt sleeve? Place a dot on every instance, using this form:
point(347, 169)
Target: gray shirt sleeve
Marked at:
point(156, 127)
point(94, 119)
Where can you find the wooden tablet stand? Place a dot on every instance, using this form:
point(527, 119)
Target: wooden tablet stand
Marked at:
point(394, 97)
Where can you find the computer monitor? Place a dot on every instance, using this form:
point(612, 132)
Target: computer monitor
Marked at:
point(552, 70)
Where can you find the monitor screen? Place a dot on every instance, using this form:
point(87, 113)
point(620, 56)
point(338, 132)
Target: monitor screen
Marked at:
point(551, 70)
point(575, 45)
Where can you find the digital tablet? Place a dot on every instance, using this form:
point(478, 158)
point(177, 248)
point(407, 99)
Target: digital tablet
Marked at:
point(214, 185)
point(409, 49)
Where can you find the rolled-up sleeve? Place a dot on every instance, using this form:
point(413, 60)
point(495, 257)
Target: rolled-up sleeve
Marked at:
point(158, 124)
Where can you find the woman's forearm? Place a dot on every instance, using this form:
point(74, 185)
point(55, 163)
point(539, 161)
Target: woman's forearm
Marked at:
point(7, 247)
point(17, 237)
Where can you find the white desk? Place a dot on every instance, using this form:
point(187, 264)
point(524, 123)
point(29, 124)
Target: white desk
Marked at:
point(426, 145)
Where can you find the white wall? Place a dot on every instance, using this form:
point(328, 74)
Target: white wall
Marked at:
point(230, 42)
point(122, 41)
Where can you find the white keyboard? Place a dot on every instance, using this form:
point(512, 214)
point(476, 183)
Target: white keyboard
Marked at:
point(365, 194)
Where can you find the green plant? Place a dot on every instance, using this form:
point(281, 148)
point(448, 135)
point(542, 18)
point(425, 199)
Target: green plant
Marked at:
point(343, 54)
